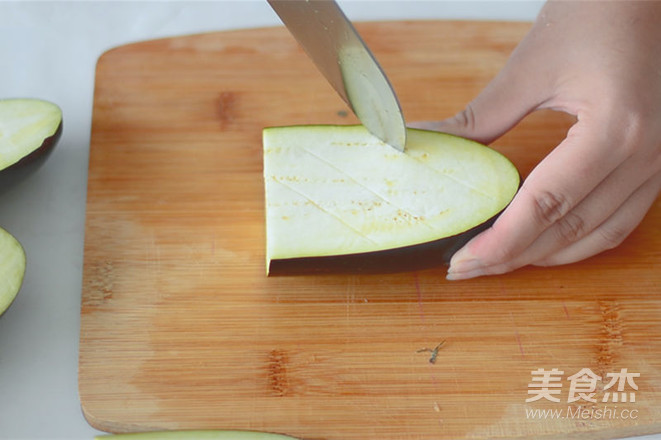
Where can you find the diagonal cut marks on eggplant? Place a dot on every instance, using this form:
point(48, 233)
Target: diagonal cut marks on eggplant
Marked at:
point(354, 180)
point(338, 198)
point(326, 211)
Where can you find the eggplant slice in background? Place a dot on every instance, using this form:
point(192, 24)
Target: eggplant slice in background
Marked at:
point(12, 269)
point(29, 130)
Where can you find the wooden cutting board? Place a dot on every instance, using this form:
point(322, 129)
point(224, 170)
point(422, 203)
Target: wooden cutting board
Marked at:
point(181, 329)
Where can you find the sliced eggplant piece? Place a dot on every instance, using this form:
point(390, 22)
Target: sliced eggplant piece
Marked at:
point(196, 435)
point(338, 199)
point(12, 269)
point(29, 130)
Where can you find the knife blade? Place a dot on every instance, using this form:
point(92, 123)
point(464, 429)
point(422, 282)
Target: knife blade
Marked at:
point(332, 42)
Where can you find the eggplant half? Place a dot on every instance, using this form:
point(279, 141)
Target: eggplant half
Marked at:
point(29, 130)
point(12, 269)
point(337, 199)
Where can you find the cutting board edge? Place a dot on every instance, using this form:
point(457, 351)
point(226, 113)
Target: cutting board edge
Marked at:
point(281, 28)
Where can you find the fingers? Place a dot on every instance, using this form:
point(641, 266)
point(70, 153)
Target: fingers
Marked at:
point(492, 113)
point(514, 93)
point(549, 200)
point(609, 197)
point(611, 232)
point(600, 222)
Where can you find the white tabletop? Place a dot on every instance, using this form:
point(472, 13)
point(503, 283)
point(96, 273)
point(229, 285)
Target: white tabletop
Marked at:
point(49, 50)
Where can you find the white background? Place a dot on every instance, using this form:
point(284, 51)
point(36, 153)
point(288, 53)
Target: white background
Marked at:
point(49, 50)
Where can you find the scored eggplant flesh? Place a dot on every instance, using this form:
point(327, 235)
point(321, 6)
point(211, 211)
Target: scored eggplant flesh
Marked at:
point(340, 200)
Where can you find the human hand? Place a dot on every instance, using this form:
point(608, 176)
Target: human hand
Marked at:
point(599, 61)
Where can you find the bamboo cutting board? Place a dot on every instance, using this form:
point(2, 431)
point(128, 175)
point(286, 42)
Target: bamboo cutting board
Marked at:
point(181, 329)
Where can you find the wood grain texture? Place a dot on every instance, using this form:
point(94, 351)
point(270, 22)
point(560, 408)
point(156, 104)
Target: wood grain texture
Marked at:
point(180, 327)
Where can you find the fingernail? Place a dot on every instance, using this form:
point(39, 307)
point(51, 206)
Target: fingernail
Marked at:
point(464, 260)
point(467, 265)
point(464, 275)
point(456, 276)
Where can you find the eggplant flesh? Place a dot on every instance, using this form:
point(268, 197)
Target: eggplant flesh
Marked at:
point(12, 269)
point(29, 130)
point(339, 200)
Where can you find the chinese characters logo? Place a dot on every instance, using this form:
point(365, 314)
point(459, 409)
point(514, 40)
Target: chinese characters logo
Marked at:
point(617, 386)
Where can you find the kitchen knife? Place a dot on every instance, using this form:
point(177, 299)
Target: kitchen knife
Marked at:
point(329, 38)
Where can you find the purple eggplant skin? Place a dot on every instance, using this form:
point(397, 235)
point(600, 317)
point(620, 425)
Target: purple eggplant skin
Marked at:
point(29, 164)
point(404, 259)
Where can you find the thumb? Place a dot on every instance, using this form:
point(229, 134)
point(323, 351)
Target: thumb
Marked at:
point(507, 99)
